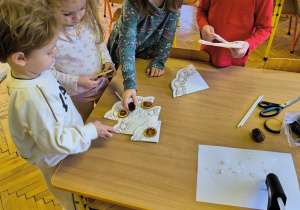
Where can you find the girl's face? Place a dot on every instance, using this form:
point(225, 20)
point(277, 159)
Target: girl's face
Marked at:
point(71, 12)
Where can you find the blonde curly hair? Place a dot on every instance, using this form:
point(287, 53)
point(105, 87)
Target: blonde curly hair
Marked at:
point(91, 16)
point(25, 26)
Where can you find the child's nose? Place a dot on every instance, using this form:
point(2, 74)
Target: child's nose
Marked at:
point(77, 16)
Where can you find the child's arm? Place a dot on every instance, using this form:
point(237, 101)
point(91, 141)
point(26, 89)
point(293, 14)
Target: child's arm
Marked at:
point(104, 131)
point(57, 139)
point(72, 81)
point(164, 45)
point(105, 56)
point(88, 81)
point(202, 13)
point(106, 60)
point(127, 47)
point(262, 25)
point(66, 80)
point(127, 44)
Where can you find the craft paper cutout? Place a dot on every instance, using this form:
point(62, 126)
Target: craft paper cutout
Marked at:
point(113, 113)
point(188, 80)
point(236, 44)
point(139, 132)
point(236, 177)
point(219, 38)
point(137, 118)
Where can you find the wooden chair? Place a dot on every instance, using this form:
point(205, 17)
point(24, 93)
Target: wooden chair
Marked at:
point(283, 64)
point(190, 2)
point(188, 54)
point(289, 10)
point(113, 16)
point(297, 5)
point(286, 8)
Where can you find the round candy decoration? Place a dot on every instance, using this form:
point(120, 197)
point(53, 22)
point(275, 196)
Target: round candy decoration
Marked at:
point(147, 104)
point(150, 132)
point(122, 113)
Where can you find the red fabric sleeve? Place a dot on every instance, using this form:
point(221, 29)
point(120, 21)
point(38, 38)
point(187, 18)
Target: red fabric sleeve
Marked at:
point(202, 13)
point(262, 25)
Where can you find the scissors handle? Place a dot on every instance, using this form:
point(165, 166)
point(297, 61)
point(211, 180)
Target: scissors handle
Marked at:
point(266, 104)
point(270, 112)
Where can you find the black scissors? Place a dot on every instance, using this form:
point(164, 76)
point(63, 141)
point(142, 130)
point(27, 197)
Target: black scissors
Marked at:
point(272, 109)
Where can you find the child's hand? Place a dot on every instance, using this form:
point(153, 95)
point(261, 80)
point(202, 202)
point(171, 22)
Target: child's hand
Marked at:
point(104, 131)
point(154, 72)
point(238, 53)
point(109, 66)
point(207, 33)
point(88, 82)
point(130, 93)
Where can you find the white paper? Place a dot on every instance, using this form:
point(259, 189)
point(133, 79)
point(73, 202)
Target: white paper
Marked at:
point(137, 118)
point(187, 80)
point(236, 177)
point(219, 38)
point(236, 44)
point(113, 113)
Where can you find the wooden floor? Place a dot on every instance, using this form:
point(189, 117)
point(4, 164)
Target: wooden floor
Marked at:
point(22, 186)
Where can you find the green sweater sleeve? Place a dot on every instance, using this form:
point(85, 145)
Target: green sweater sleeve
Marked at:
point(127, 44)
point(165, 43)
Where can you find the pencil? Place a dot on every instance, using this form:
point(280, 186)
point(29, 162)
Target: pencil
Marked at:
point(250, 111)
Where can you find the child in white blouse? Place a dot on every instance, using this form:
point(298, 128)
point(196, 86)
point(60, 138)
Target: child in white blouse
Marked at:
point(81, 53)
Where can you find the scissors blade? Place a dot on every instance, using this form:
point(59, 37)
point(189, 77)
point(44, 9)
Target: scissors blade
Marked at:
point(290, 102)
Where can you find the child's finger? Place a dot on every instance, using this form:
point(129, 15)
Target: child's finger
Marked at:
point(161, 72)
point(111, 129)
point(125, 103)
point(152, 71)
point(108, 135)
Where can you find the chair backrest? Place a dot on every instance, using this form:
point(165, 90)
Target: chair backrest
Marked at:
point(289, 7)
point(116, 1)
point(190, 2)
point(283, 64)
point(298, 7)
point(188, 54)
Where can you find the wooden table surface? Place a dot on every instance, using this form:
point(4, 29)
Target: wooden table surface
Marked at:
point(164, 175)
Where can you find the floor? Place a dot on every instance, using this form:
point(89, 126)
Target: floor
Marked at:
point(22, 186)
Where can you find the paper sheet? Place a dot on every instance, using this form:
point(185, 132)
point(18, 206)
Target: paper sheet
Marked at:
point(236, 177)
point(187, 80)
point(236, 44)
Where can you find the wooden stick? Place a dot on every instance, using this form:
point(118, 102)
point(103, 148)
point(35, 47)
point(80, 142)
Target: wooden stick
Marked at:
point(250, 111)
point(104, 73)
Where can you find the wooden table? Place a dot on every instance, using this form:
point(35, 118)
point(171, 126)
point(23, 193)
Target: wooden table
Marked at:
point(163, 175)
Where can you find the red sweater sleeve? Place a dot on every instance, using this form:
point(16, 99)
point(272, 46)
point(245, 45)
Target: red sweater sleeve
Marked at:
point(262, 25)
point(202, 13)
